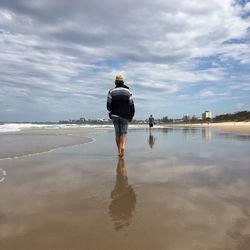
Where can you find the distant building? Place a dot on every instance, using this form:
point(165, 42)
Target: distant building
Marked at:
point(207, 115)
point(186, 118)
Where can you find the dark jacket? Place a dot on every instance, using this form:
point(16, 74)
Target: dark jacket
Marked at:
point(120, 102)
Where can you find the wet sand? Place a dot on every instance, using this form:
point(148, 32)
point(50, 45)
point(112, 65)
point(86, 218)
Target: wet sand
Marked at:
point(182, 189)
point(23, 145)
point(233, 127)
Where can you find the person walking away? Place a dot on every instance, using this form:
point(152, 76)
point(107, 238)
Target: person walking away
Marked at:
point(151, 121)
point(121, 109)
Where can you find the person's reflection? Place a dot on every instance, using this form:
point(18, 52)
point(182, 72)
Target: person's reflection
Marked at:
point(151, 139)
point(123, 198)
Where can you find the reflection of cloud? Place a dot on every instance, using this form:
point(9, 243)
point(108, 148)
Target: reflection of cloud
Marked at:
point(37, 193)
point(195, 198)
point(196, 201)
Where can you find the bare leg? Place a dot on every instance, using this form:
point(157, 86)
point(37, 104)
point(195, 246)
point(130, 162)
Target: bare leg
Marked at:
point(123, 141)
point(117, 139)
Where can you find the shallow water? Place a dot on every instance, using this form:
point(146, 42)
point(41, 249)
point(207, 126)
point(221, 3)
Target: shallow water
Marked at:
point(175, 189)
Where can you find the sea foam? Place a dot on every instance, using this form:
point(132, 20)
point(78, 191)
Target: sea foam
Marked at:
point(15, 127)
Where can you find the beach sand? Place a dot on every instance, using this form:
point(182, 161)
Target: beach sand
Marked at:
point(189, 190)
point(233, 127)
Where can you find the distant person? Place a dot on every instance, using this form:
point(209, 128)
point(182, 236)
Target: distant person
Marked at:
point(151, 121)
point(121, 106)
point(123, 198)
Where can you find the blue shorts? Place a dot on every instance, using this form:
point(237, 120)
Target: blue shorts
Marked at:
point(121, 125)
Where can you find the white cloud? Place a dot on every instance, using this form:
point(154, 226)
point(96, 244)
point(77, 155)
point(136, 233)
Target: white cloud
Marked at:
point(5, 16)
point(76, 48)
point(212, 94)
point(247, 7)
point(242, 87)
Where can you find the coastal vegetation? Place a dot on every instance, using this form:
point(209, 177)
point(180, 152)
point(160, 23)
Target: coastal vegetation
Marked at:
point(236, 117)
point(230, 117)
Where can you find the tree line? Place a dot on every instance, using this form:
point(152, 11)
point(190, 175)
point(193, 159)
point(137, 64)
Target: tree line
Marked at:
point(237, 117)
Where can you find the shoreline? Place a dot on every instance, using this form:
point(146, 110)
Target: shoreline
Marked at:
point(13, 146)
point(232, 127)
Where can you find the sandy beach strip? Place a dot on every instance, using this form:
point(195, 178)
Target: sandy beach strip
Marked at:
point(232, 127)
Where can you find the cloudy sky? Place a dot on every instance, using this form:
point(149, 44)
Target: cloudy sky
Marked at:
point(58, 59)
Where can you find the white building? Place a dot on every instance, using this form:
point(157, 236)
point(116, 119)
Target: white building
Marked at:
point(206, 115)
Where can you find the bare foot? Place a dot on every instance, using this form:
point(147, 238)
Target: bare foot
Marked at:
point(122, 152)
point(119, 152)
